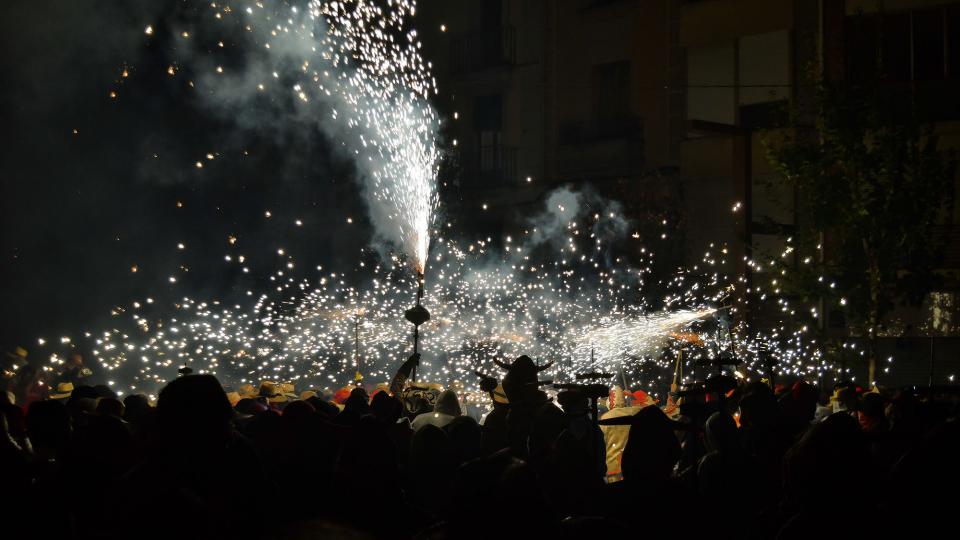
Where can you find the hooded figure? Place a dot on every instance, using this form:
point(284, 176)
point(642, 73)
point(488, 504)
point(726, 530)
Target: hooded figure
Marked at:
point(521, 385)
point(648, 489)
point(615, 436)
point(444, 411)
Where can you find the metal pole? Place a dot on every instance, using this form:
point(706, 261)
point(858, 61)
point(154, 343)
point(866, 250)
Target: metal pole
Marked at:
point(930, 382)
point(597, 432)
point(356, 346)
point(416, 327)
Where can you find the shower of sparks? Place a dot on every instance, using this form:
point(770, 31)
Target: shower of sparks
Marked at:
point(567, 298)
point(388, 86)
point(354, 69)
point(584, 311)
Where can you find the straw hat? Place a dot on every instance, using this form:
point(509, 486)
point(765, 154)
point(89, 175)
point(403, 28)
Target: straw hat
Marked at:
point(234, 398)
point(247, 391)
point(274, 392)
point(64, 390)
point(499, 395)
point(307, 394)
point(18, 353)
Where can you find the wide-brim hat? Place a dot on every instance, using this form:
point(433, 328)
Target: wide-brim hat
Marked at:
point(247, 390)
point(64, 391)
point(522, 374)
point(19, 353)
point(233, 398)
point(274, 393)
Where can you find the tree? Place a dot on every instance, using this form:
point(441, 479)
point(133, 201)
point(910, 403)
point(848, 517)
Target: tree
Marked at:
point(874, 188)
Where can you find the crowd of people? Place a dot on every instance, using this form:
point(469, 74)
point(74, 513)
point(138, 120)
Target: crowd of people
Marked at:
point(730, 459)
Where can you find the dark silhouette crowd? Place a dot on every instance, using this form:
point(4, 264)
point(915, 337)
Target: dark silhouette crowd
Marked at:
point(410, 461)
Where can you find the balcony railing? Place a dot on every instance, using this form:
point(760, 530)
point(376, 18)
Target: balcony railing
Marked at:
point(491, 166)
point(627, 127)
point(483, 49)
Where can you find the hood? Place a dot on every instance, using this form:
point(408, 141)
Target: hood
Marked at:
point(447, 403)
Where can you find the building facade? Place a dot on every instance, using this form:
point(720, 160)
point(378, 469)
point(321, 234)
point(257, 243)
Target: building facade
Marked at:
point(665, 105)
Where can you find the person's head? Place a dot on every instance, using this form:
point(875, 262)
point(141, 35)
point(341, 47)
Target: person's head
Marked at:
point(831, 453)
point(870, 413)
point(872, 405)
point(428, 444)
point(326, 410)
point(358, 402)
point(573, 402)
point(84, 391)
point(385, 407)
point(652, 447)
point(802, 401)
point(298, 410)
point(250, 406)
point(465, 438)
point(902, 410)
point(521, 382)
point(104, 391)
point(721, 432)
point(135, 406)
point(194, 410)
point(48, 424)
point(758, 408)
point(448, 403)
point(110, 406)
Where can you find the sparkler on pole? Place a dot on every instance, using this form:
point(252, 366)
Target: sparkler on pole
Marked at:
point(417, 315)
point(358, 376)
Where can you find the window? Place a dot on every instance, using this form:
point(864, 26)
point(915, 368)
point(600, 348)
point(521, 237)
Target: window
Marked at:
point(496, 163)
point(953, 41)
point(895, 46)
point(488, 113)
point(860, 44)
point(491, 13)
point(764, 67)
point(928, 45)
point(711, 95)
point(611, 93)
point(905, 46)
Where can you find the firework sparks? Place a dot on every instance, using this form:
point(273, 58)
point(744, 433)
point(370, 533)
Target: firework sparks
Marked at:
point(358, 63)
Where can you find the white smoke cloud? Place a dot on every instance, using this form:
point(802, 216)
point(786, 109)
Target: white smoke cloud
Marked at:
point(336, 69)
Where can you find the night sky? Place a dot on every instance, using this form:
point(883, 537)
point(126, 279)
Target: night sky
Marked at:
point(81, 208)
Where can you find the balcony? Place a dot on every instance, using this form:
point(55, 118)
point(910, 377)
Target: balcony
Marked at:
point(483, 49)
point(492, 166)
point(602, 148)
point(626, 127)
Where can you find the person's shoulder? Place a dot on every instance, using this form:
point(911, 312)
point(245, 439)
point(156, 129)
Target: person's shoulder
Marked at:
point(419, 421)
